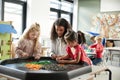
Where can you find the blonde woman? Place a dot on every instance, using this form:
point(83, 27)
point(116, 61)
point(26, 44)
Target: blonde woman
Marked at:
point(28, 44)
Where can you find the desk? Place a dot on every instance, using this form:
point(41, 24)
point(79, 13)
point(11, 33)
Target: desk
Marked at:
point(114, 51)
point(113, 48)
point(90, 53)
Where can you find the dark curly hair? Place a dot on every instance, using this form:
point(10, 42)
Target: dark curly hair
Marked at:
point(59, 22)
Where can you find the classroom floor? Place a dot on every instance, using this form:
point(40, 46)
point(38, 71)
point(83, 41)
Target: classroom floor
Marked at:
point(104, 75)
point(113, 66)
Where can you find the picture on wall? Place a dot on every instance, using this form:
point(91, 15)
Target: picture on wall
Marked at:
point(107, 25)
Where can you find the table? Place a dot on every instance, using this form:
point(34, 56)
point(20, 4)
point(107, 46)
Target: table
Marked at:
point(90, 54)
point(112, 50)
point(13, 68)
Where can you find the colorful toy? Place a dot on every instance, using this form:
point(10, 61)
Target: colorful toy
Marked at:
point(6, 39)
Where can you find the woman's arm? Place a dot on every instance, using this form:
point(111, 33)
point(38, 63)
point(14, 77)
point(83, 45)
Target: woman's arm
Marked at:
point(52, 51)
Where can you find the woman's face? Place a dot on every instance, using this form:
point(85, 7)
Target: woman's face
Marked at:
point(33, 35)
point(59, 30)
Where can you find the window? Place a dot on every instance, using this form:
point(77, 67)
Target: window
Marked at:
point(66, 16)
point(67, 6)
point(53, 17)
point(63, 8)
point(55, 4)
point(15, 11)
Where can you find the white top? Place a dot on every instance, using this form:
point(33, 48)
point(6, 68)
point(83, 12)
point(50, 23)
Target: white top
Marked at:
point(58, 47)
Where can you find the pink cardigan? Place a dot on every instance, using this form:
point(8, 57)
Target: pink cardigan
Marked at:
point(27, 46)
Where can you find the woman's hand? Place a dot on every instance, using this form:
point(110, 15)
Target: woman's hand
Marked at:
point(53, 56)
point(60, 59)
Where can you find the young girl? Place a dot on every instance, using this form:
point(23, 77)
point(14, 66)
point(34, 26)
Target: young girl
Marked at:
point(82, 39)
point(29, 44)
point(98, 46)
point(92, 39)
point(58, 31)
point(75, 53)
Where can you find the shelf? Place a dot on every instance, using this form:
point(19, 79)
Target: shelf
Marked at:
point(113, 39)
point(113, 48)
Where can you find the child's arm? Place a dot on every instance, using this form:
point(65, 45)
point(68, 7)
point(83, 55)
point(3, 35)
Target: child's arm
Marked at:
point(62, 57)
point(19, 49)
point(72, 61)
point(92, 46)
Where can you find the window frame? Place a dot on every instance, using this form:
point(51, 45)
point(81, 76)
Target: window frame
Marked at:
point(59, 11)
point(24, 11)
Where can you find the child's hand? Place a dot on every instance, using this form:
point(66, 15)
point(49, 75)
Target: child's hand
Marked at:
point(37, 57)
point(25, 55)
point(61, 61)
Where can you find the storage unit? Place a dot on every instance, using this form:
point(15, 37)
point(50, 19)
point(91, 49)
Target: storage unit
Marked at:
point(113, 46)
point(6, 39)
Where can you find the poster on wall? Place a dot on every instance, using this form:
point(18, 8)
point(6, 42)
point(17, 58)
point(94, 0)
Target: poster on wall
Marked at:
point(107, 25)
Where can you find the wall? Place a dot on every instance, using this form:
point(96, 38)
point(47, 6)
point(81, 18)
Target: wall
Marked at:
point(38, 11)
point(110, 5)
point(75, 15)
point(87, 9)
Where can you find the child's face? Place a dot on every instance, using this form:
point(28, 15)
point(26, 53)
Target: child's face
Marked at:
point(33, 35)
point(59, 30)
point(71, 43)
point(93, 39)
point(99, 40)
